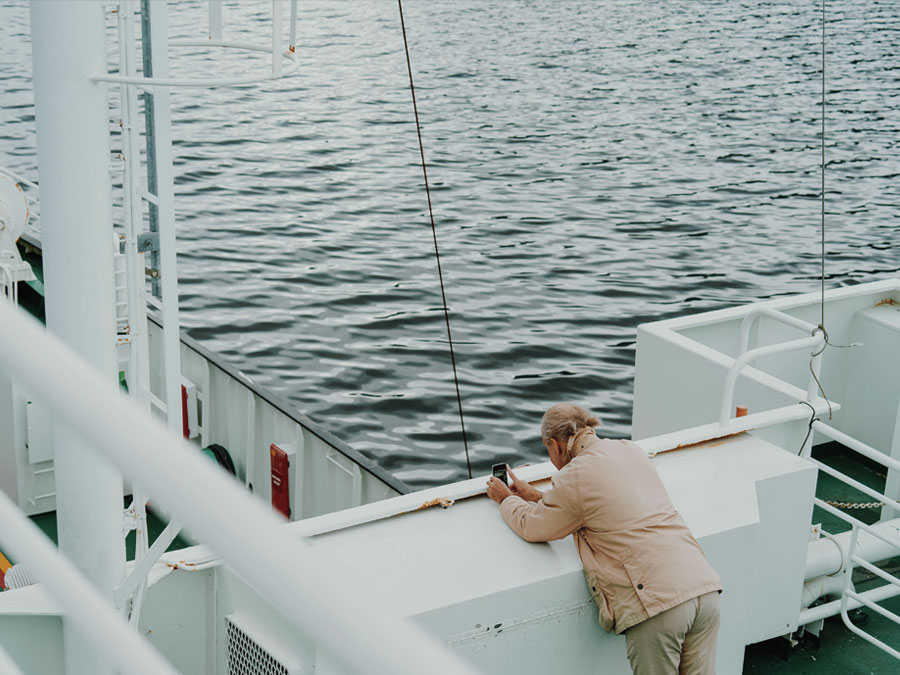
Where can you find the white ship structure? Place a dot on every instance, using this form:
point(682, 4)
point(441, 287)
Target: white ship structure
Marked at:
point(309, 557)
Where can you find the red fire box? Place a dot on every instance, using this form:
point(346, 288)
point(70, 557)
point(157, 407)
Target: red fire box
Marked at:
point(281, 488)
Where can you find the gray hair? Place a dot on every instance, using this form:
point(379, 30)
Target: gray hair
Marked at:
point(564, 420)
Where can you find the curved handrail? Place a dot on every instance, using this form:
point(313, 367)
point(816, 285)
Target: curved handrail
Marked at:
point(814, 343)
point(757, 312)
point(289, 55)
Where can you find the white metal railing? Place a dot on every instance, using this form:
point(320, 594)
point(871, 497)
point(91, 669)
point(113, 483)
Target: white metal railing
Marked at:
point(286, 572)
point(781, 317)
point(815, 344)
point(8, 283)
point(96, 617)
point(850, 599)
point(279, 55)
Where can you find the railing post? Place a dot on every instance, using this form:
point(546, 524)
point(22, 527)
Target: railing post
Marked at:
point(215, 20)
point(892, 485)
point(72, 122)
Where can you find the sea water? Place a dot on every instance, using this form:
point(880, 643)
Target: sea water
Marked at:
point(593, 165)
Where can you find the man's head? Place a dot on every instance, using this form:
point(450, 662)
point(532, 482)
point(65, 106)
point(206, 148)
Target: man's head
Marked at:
point(559, 426)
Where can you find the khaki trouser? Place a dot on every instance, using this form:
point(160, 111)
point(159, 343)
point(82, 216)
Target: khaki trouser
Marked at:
point(679, 641)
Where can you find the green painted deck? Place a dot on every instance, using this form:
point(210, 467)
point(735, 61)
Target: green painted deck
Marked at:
point(47, 523)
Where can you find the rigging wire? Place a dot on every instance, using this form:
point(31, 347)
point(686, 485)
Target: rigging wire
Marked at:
point(822, 322)
point(437, 255)
point(821, 326)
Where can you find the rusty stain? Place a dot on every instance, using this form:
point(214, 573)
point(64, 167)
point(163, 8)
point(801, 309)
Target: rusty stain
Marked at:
point(445, 502)
point(886, 301)
point(291, 49)
point(182, 565)
point(720, 440)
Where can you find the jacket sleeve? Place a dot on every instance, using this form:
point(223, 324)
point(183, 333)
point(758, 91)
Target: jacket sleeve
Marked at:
point(558, 514)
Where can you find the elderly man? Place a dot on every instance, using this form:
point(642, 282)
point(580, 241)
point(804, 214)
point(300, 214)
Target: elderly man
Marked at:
point(646, 571)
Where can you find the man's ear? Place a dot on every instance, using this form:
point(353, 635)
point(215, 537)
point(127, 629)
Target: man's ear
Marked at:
point(557, 448)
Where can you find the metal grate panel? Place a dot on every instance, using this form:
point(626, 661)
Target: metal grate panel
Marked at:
point(247, 657)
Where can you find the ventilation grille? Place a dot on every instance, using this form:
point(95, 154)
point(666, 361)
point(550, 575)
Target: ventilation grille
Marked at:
point(247, 657)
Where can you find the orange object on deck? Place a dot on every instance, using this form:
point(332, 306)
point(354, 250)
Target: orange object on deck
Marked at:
point(741, 411)
point(4, 568)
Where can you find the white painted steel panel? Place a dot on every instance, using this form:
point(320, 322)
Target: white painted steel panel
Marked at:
point(681, 363)
point(873, 385)
point(35, 643)
point(40, 433)
point(509, 605)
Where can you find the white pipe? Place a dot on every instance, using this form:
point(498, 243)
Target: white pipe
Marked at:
point(862, 487)
point(829, 554)
point(215, 19)
point(277, 35)
point(106, 630)
point(833, 608)
point(148, 83)
point(815, 375)
point(657, 445)
point(859, 446)
point(165, 193)
point(813, 343)
point(871, 639)
point(757, 312)
point(821, 587)
point(293, 576)
point(138, 349)
point(72, 120)
point(293, 32)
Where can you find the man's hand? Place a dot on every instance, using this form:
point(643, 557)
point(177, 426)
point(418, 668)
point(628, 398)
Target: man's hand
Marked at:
point(497, 489)
point(522, 488)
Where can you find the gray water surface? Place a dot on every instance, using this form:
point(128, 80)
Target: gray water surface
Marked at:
point(594, 165)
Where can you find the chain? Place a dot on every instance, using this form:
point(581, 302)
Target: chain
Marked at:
point(856, 505)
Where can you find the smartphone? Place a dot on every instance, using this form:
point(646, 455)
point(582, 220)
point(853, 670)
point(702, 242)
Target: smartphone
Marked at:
point(499, 471)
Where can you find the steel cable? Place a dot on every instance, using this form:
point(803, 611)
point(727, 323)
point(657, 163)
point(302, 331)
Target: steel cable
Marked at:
point(437, 255)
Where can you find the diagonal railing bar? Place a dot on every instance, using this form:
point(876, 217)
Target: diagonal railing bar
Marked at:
point(102, 625)
point(145, 564)
point(292, 576)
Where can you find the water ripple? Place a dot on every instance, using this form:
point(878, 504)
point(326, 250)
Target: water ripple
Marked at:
point(594, 165)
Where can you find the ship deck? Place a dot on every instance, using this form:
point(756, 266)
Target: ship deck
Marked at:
point(836, 650)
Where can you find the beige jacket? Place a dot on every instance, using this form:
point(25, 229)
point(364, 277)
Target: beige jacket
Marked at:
point(639, 557)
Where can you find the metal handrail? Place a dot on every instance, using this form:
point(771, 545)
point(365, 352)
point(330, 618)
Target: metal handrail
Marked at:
point(757, 312)
point(101, 624)
point(850, 599)
point(849, 594)
point(215, 40)
point(813, 343)
point(865, 450)
point(292, 576)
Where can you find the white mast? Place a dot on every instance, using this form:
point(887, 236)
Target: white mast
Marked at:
point(72, 119)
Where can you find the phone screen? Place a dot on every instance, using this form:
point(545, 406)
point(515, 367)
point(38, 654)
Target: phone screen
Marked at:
point(499, 470)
